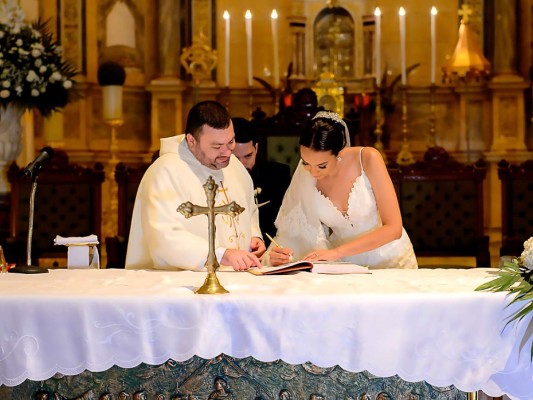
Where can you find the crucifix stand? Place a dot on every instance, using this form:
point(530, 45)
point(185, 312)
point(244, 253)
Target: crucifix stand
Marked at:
point(211, 284)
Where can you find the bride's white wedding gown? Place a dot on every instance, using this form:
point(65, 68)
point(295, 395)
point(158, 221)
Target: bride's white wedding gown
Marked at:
point(308, 220)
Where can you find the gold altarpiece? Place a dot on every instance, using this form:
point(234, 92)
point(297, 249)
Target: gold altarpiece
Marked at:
point(158, 91)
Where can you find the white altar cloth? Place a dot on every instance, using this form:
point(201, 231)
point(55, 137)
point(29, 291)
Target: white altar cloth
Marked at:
point(420, 324)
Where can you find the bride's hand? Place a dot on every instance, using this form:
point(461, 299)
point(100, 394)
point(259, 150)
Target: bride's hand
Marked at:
point(322, 255)
point(280, 255)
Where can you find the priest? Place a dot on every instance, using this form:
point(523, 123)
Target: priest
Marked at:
point(162, 238)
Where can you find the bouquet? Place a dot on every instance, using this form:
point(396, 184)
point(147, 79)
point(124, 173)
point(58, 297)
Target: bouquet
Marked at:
point(516, 277)
point(32, 72)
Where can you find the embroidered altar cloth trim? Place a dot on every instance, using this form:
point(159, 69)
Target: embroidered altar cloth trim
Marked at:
point(420, 324)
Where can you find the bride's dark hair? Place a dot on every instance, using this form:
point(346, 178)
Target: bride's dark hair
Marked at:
point(323, 134)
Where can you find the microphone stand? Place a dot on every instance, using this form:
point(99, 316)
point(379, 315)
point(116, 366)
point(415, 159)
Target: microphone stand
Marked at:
point(28, 268)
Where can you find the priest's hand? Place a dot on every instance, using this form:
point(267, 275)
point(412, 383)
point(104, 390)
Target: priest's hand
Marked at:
point(257, 246)
point(280, 255)
point(240, 260)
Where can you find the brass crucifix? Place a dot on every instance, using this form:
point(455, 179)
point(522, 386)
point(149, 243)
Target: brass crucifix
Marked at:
point(211, 284)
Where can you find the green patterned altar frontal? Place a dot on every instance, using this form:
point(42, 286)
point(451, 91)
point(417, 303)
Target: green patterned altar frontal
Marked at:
point(226, 377)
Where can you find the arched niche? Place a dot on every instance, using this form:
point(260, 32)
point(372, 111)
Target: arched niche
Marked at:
point(122, 39)
point(334, 42)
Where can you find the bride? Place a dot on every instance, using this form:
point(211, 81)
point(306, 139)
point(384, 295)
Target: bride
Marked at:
point(341, 204)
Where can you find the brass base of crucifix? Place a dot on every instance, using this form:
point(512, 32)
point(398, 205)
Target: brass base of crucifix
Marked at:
point(211, 284)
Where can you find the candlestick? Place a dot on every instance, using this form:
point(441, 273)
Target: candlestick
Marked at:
point(379, 131)
point(401, 13)
point(275, 46)
point(226, 47)
point(248, 17)
point(377, 15)
point(405, 156)
point(432, 141)
point(433, 43)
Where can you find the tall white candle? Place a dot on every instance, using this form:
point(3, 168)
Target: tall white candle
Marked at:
point(433, 44)
point(401, 13)
point(248, 17)
point(377, 48)
point(275, 46)
point(226, 47)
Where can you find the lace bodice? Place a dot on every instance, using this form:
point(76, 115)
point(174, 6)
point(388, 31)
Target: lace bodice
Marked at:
point(360, 217)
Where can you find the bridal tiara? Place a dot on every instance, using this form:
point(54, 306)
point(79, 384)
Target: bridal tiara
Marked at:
point(329, 115)
point(333, 116)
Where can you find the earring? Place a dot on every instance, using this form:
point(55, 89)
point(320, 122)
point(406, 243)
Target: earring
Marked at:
point(339, 158)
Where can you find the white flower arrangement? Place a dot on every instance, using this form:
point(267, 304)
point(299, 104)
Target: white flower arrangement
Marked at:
point(32, 72)
point(527, 255)
point(516, 277)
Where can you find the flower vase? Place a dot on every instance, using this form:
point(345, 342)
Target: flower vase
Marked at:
point(10, 142)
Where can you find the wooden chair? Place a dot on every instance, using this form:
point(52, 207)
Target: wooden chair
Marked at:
point(68, 202)
point(441, 202)
point(517, 205)
point(128, 179)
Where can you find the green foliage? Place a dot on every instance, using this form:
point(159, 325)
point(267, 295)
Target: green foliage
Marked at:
point(513, 278)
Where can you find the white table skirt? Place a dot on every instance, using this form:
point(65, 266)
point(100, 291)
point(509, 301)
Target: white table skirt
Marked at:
point(420, 324)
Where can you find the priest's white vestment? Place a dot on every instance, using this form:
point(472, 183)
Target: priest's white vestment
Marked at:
point(162, 238)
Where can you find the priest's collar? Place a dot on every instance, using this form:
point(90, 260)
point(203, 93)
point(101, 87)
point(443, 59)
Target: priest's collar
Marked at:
point(197, 167)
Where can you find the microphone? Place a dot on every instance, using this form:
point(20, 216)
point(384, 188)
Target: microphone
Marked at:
point(34, 167)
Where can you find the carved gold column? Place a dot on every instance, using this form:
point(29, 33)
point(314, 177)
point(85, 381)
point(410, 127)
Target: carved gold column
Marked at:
point(169, 39)
point(507, 87)
point(297, 27)
point(167, 88)
point(167, 110)
point(508, 118)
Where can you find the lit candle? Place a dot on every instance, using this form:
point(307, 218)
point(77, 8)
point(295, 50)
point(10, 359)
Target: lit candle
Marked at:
point(377, 14)
point(248, 17)
point(401, 13)
point(275, 46)
point(226, 78)
point(433, 44)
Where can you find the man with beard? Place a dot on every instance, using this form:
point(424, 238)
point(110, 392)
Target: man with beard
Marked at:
point(162, 238)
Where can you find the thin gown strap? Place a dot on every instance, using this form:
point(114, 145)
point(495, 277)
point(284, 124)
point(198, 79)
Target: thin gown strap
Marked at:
point(361, 159)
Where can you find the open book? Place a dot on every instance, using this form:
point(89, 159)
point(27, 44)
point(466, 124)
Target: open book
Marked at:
point(336, 268)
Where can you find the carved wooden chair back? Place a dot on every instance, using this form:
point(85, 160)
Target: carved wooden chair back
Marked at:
point(68, 202)
point(441, 201)
point(517, 205)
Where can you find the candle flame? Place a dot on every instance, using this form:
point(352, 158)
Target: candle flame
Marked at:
point(226, 14)
point(248, 14)
point(402, 11)
point(377, 12)
point(433, 11)
point(274, 14)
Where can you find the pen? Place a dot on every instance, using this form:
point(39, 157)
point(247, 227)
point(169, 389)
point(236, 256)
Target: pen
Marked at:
point(272, 240)
point(277, 244)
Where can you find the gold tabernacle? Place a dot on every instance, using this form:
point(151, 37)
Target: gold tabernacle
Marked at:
point(211, 284)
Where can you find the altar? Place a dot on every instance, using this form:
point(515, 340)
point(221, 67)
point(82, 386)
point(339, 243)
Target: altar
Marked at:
point(146, 334)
